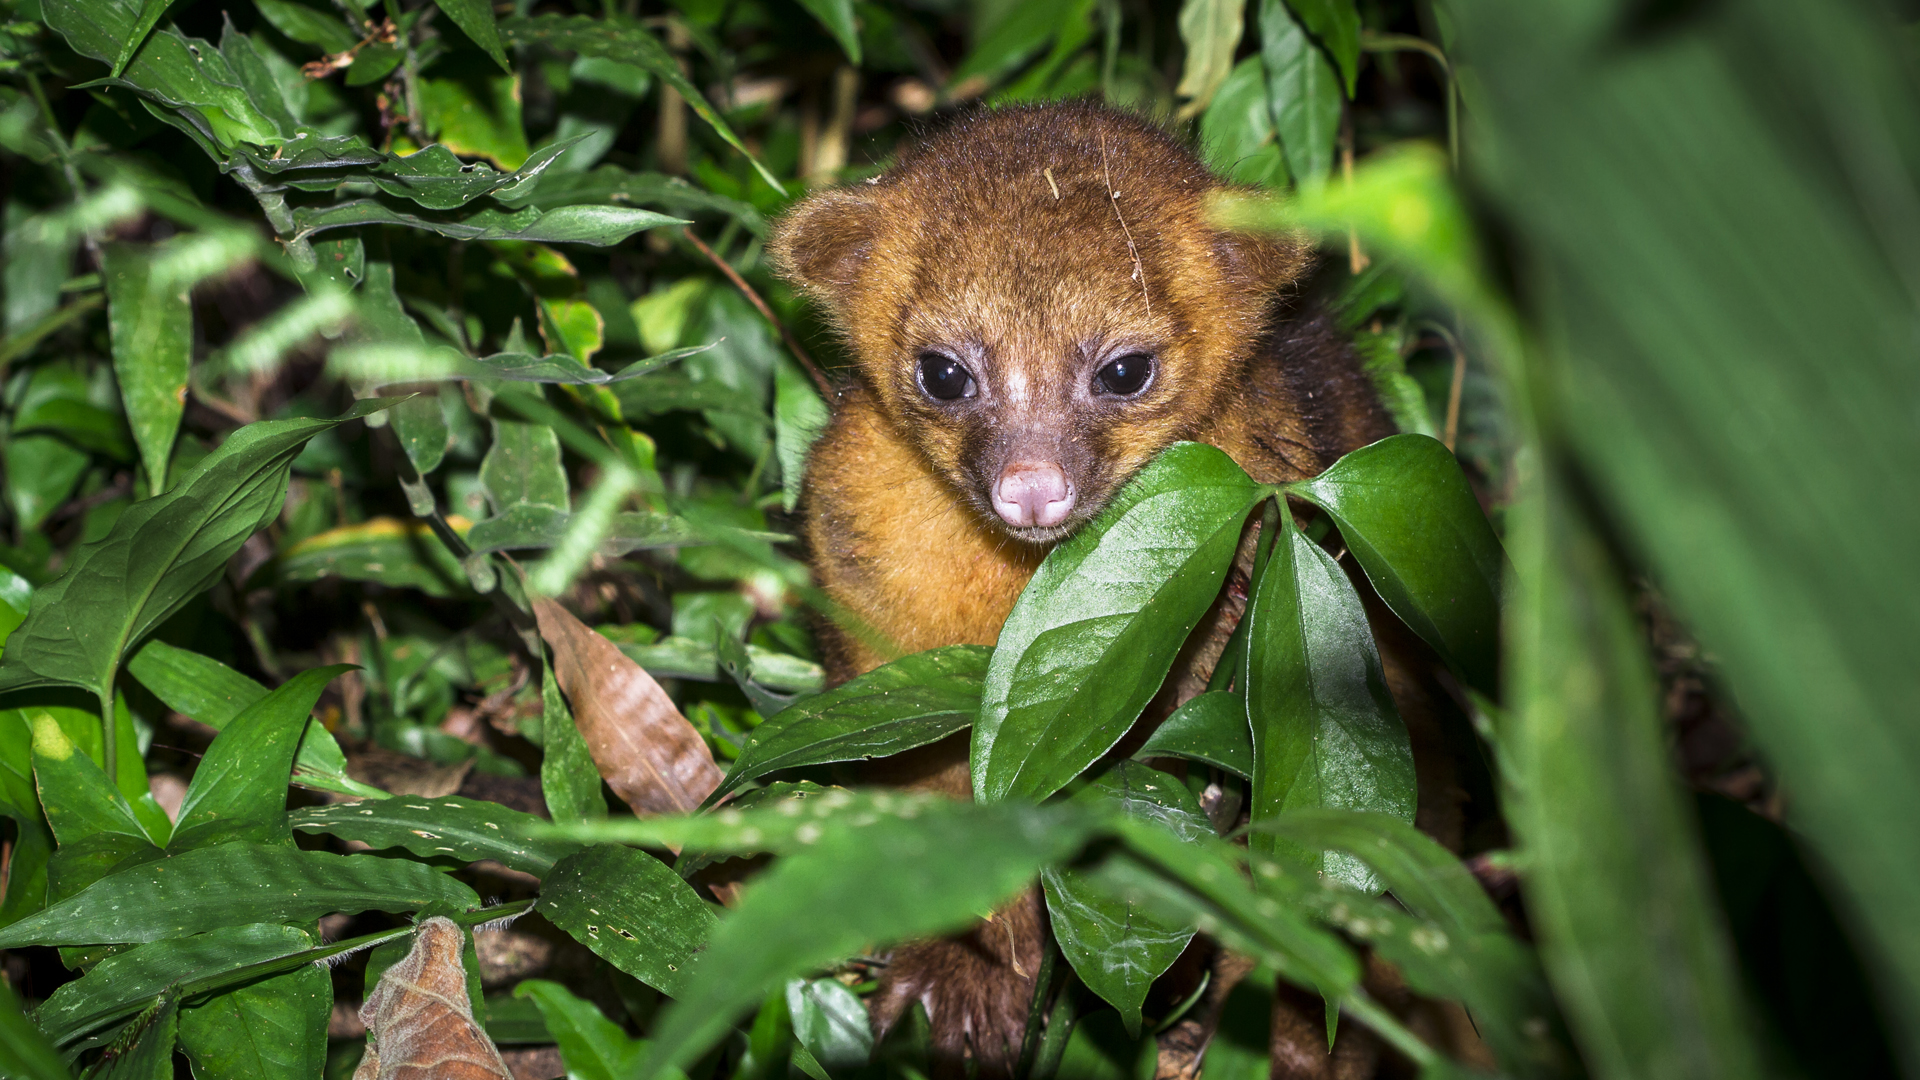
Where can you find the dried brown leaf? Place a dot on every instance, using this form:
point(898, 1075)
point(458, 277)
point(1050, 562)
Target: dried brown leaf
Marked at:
point(419, 1019)
point(650, 755)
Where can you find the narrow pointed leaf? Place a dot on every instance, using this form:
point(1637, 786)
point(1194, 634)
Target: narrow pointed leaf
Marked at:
point(593, 1047)
point(837, 17)
point(1303, 92)
point(446, 827)
point(150, 12)
point(76, 796)
point(913, 701)
point(1211, 729)
point(239, 789)
point(475, 17)
point(597, 225)
point(151, 328)
point(1336, 25)
point(122, 984)
point(1325, 730)
point(1097, 629)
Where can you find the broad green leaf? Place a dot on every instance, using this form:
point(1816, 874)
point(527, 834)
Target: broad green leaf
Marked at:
point(1211, 729)
point(1405, 511)
point(475, 17)
point(274, 1027)
point(150, 12)
point(239, 789)
point(569, 779)
point(1116, 949)
point(1463, 948)
point(1303, 92)
point(24, 1050)
point(385, 550)
point(122, 984)
point(868, 879)
point(1616, 885)
point(41, 472)
point(1211, 30)
point(593, 1047)
point(161, 553)
point(523, 468)
point(76, 796)
point(1096, 631)
point(528, 526)
point(152, 333)
point(213, 693)
point(837, 17)
point(421, 428)
point(450, 827)
point(633, 911)
point(1335, 24)
point(477, 117)
point(307, 25)
point(596, 225)
point(799, 416)
point(1236, 131)
point(830, 1022)
point(625, 40)
point(213, 887)
point(59, 399)
point(1325, 730)
point(913, 701)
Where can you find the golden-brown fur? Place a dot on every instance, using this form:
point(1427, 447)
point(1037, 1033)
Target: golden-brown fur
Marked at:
point(1032, 245)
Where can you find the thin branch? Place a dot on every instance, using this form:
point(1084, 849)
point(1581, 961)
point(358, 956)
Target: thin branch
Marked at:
point(746, 290)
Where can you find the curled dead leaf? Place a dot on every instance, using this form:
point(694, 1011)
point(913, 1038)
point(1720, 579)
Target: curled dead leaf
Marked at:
point(419, 1019)
point(649, 754)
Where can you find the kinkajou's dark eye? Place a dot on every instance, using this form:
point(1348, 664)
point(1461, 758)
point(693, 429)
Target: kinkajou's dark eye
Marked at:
point(1126, 376)
point(944, 379)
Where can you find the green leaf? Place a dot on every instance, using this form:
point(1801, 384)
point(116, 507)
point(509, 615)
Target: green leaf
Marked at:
point(596, 225)
point(913, 701)
point(161, 553)
point(1097, 629)
point(799, 417)
point(1335, 24)
point(450, 827)
point(1211, 729)
point(144, 1048)
point(24, 1051)
point(1617, 887)
point(122, 984)
point(1303, 92)
point(239, 789)
point(523, 468)
point(421, 429)
point(837, 17)
point(633, 911)
point(152, 332)
point(393, 553)
point(612, 184)
point(627, 41)
point(150, 12)
point(831, 1023)
point(41, 472)
point(475, 17)
point(1116, 949)
point(477, 117)
point(684, 658)
point(526, 526)
point(1236, 131)
point(1407, 514)
point(274, 1027)
point(76, 796)
point(593, 1047)
point(869, 878)
point(209, 691)
point(1325, 730)
point(306, 25)
point(569, 779)
point(213, 887)
point(1211, 30)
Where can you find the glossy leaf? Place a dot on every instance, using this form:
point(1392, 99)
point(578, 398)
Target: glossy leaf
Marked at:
point(160, 554)
point(448, 827)
point(475, 17)
point(121, 985)
point(1303, 92)
point(874, 878)
point(76, 796)
point(830, 1022)
point(1617, 887)
point(612, 184)
point(239, 789)
point(633, 911)
point(1335, 24)
point(1405, 511)
point(209, 691)
point(1236, 131)
point(1325, 730)
point(151, 326)
point(594, 1047)
point(274, 1027)
point(837, 17)
point(597, 225)
point(1211, 30)
point(306, 25)
point(1096, 630)
point(627, 41)
point(913, 701)
point(1116, 949)
point(228, 884)
point(1211, 729)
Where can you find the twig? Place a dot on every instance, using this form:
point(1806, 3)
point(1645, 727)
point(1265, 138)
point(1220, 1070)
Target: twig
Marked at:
point(1139, 272)
point(746, 290)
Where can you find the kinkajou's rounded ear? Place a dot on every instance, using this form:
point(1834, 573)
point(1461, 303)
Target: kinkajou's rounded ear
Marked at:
point(822, 244)
point(1253, 259)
